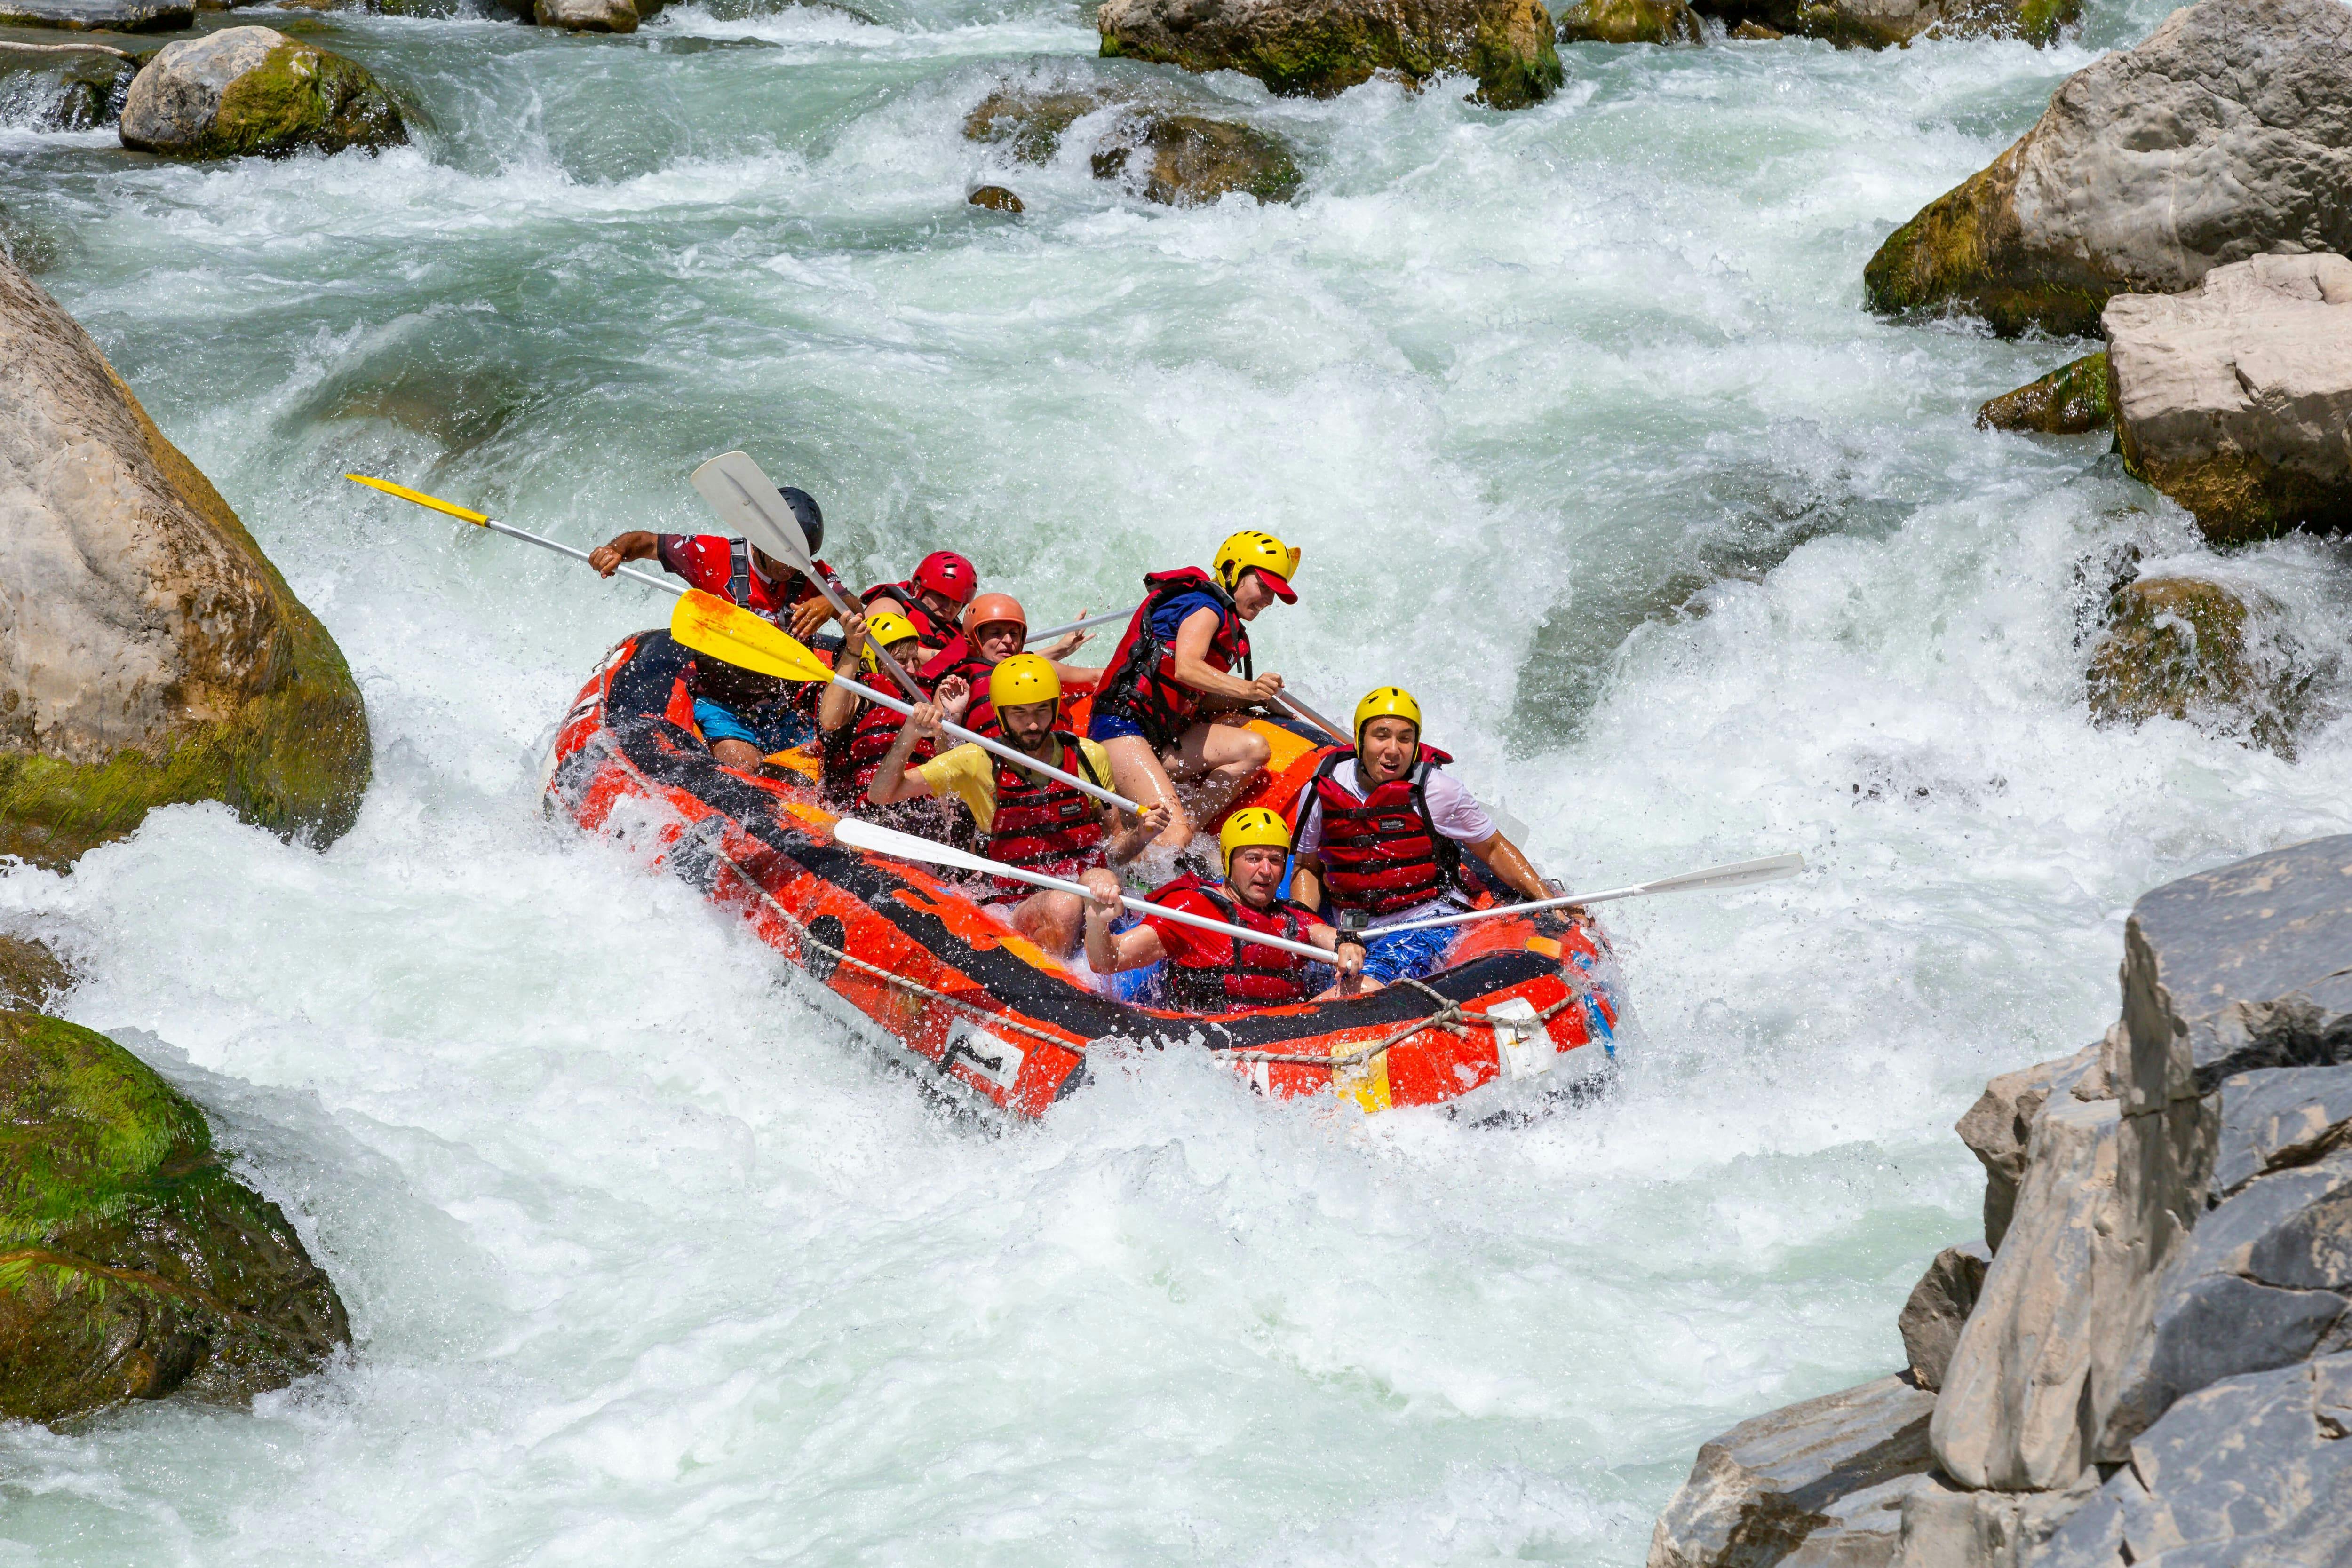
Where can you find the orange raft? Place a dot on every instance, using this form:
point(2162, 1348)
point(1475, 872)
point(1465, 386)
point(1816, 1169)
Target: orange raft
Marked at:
point(1524, 1010)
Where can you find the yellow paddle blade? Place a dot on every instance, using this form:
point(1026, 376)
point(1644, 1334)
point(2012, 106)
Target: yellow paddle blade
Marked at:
point(420, 497)
point(708, 624)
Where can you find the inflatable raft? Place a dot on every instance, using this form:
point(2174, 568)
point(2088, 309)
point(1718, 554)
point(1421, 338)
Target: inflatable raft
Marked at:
point(1525, 1011)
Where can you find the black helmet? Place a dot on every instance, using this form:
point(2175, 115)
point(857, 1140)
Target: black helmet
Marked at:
point(812, 519)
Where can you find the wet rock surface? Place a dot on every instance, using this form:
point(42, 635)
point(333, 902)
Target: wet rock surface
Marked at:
point(1938, 1304)
point(2072, 400)
point(63, 87)
point(2246, 103)
point(100, 16)
point(587, 16)
point(995, 198)
point(1324, 46)
point(1882, 24)
point(254, 91)
point(1629, 22)
point(153, 655)
point(2157, 1367)
point(1165, 156)
point(131, 1264)
point(2233, 398)
point(2182, 648)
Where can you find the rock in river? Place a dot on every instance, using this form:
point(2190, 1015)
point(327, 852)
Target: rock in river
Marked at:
point(1629, 22)
point(254, 90)
point(63, 87)
point(2233, 400)
point(2072, 400)
point(1324, 46)
point(587, 16)
point(100, 16)
point(149, 653)
point(132, 1264)
point(2228, 133)
point(1178, 159)
point(1882, 24)
point(2180, 647)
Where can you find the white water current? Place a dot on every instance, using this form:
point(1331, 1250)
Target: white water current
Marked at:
point(1578, 418)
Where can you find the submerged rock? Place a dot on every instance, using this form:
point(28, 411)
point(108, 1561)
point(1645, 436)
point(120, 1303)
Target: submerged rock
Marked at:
point(63, 87)
point(30, 975)
point(2072, 400)
point(100, 15)
point(587, 16)
point(2233, 400)
point(131, 1264)
point(2226, 134)
point(995, 198)
point(1179, 160)
point(153, 655)
point(1882, 24)
point(1757, 32)
point(1324, 46)
point(2176, 647)
point(255, 90)
point(1629, 22)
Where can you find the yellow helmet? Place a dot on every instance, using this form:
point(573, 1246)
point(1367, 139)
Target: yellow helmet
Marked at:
point(1250, 826)
point(885, 630)
point(1251, 550)
point(1388, 702)
point(1022, 679)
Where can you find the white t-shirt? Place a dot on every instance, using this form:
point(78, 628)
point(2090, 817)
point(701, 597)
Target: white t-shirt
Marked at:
point(1452, 807)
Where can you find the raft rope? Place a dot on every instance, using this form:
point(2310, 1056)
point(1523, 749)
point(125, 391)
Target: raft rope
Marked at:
point(1450, 1016)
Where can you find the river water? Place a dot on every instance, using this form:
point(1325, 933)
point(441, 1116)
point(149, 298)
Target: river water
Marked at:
point(1578, 418)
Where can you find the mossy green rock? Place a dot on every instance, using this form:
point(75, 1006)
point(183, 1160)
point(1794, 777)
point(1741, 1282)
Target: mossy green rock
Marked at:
point(132, 1263)
point(1884, 23)
point(2178, 647)
point(155, 656)
point(2070, 401)
point(63, 87)
point(1629, 22)
point(1178, 159)
point(254, 91)
point(1324, 46)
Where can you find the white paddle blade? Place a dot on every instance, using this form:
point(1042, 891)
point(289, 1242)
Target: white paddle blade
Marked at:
point(861, 835)
point(1739, 873)
point(749, 502)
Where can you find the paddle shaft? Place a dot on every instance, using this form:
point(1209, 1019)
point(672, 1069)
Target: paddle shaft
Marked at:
point(1010, 753)
point(1664, 884)
point(1162, 912)
point(1103, 620)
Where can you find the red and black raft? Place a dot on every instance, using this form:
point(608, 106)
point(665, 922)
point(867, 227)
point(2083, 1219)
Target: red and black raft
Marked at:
point(1525, 1009)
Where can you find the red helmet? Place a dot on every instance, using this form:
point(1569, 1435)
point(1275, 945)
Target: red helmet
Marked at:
point(947, 573)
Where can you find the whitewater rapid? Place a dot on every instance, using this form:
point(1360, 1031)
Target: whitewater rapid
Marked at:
point(1586, 437)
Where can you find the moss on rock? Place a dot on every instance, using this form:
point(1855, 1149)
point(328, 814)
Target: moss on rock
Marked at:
point(1964, 252)
point(2178, 647)
point(132, 1263)
point(256, 92)
point(1318, 48)
point(1178, 159)
point(2072, 400)
point(1629, 22)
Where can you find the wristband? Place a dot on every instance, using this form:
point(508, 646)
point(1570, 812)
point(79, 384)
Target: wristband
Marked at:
point(1354, 937)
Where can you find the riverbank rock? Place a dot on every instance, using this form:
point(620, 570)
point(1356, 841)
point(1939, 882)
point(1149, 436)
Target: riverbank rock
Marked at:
point(2151, 1371)
point(255, 90)
point(1629, 22)
point(100, 15)
point(587, 16)
point(2072, 400)
point(2233, 398)
point(2227, 134)
point(1177, 160)
point(1324, 46)
point(2176, 647)
point(30, 975)
point(132, 1263)
point(1938, 1304)
point(1885, 24)
point(149, 652)
point(63, 87)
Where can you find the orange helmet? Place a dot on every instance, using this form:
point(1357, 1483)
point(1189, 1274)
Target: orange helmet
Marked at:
point(991, 607)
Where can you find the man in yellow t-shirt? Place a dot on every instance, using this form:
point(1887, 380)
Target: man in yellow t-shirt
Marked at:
point(1026, 818)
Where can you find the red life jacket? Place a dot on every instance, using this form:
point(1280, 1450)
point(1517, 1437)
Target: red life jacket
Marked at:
point(930, 630)
point(1140, 685)
point(723, 566)
point(1208, 973)
point(1043, 824)
point(960, 658)
point(853, 754)
point(1381, 852)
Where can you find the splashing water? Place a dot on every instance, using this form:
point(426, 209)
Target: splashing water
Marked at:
point(1587, 438)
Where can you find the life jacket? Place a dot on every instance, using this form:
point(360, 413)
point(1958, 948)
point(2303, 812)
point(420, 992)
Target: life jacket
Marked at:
point(853, 754)
point(930, 630)
point(695, 557)
point(961, 658)
point(1381, 852)
point(1215, 974)
point(1043, 824)
point(1140, 683)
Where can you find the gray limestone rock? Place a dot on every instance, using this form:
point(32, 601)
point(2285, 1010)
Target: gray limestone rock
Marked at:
point(2278, 1117)
point(1760, 1491)
point(247, 91)
point(62, 87)
point(100, 15)
point(2226, 134)
point(1998, 1126)
point(1939, 1305)
point(2232, 398)
point(1946, 1526)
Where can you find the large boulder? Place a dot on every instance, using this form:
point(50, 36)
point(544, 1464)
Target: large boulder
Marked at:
point(1629, 22)
point(1172, 158)
point(132, 1263)
point(2072, 400)
point(1795, 1478)
point(587, 16)
point(63, 87)
point(1324, 46)
point(1938, 1307)
point(1882, 24)
point(2233, 398)
point(2279, 1117)
point(255, 90)
point(2228, 133)
point(149, 652)
point(2182, 648)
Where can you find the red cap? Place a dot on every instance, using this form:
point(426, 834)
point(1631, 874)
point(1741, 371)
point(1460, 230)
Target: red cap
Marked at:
point(945, 572)
point(1281, 585)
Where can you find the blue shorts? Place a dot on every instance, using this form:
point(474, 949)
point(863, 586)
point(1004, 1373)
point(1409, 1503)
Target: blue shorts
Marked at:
point(771, 727)
point(1408, 955)
point(1113, 727)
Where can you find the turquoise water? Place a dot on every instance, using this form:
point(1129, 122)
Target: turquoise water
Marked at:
point(1587, 439)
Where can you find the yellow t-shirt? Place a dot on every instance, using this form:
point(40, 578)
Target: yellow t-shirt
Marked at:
point(969, 774)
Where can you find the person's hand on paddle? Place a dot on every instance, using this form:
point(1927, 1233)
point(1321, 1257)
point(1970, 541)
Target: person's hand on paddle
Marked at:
point(1129, 842)
point(954, 697)
point(808, 615)
point(1265, 688)
point(1068, 643)
point(853, 640)
point(635, 545)
point(1104, 885)
point(1348, 958)
point(924, 723)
